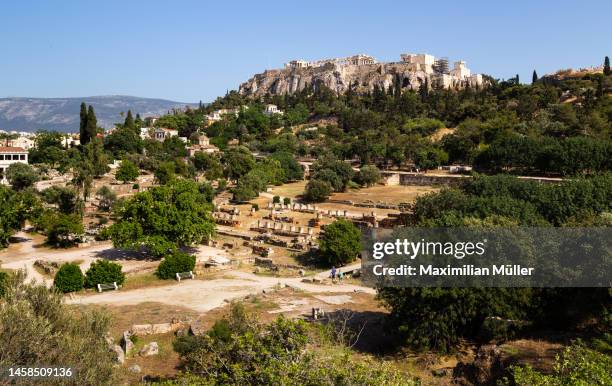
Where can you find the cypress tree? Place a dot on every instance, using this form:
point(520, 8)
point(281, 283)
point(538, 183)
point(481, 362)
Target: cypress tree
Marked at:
point(534, 77)
point(129, 121)
point(607, 66)
point(138, 121)
point(517, 79)
point(83, 134)
point(92, 123)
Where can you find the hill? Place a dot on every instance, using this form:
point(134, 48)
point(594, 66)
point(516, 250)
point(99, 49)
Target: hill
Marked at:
point(362, 73)
point(62, 114)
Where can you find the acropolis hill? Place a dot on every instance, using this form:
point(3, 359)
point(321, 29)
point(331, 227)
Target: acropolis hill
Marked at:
point(363, 72)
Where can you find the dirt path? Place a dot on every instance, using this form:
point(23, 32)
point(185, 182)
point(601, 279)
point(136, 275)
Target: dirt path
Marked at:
point(29, 248)
point(205, 295)
point(199, 295)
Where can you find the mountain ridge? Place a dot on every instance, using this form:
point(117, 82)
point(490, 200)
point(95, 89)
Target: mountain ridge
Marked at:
point(62, 114)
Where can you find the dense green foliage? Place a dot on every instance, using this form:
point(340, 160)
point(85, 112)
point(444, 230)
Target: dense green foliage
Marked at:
point(317, 191)
point(241, 350)
point(340, 243)
point(164, 218)
point(127, 171)
point(36, 327)
point(21, 176)
point(69, 278)
point(438, 317)
point(62, 230)
point(103, 272)
point(15, 209)
point(174, 263)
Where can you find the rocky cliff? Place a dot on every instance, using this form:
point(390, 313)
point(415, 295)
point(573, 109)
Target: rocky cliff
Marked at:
point(336, 77)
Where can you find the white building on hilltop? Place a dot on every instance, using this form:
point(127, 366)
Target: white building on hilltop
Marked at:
point(419, 62)
point(272, 109)
point(459, 75)
point(10, 155)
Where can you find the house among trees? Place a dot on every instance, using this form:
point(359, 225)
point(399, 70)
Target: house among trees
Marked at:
point(271, 109)
point(202, 145)
point(162, 133)
point(10, 155)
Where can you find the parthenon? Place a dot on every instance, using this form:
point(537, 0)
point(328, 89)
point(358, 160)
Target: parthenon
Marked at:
point(355, 60)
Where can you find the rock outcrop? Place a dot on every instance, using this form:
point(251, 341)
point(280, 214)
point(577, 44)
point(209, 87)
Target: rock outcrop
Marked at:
point(336, 77)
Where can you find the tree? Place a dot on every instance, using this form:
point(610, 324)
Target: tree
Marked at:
point(606, 69)
point(94, 154)
point(65, 198)
point(174, 263)
point(238, 162)
point(92, 123)
point(106, 198)
point(208, 163)
point(103, 272)
point(62, 230)
point(84, 133)
point(123, 141)
point(293, 171)
point(534, 77)
point(21, 176)
point(129, 121)
point(36, 326)
point(15, 209)
point(165, 217)
point(317, 191)
point(164, 174)
point(69, 278)
point(127, 171)
point(369, 175)
point(340, 243)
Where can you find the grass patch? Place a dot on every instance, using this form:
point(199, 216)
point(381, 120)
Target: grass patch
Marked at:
point(143, 280)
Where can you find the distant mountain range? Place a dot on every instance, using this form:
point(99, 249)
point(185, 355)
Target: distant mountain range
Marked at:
point(62, 114)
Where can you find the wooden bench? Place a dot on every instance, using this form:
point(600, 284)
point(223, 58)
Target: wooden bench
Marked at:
point(184, 275)
point(107, 287)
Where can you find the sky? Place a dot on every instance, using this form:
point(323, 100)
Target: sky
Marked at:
point(189, 51)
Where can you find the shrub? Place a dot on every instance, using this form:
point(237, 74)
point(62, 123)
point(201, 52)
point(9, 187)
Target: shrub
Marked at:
point(255, 207)
point(276, 200)
point(37, 327)
point(577, 365)
point(103, 272)
point(69, 278)
point(175, 262)
point(136, 186)
point(241, 350)
point(127, 171)
point(369, 175)
point(286, 201)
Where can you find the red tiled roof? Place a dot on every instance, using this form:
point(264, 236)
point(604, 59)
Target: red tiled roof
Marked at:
point(10, 149)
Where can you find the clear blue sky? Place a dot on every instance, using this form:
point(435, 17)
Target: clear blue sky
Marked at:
point(196, 50)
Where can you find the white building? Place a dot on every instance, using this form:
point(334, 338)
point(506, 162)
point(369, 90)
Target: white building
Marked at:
point(419, 62)
point(10, 155)
point(272, 109)
point(145, 132)
point(162, 133)
point(22, 142)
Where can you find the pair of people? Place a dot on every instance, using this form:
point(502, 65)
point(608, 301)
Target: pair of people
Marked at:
point(337, 273)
